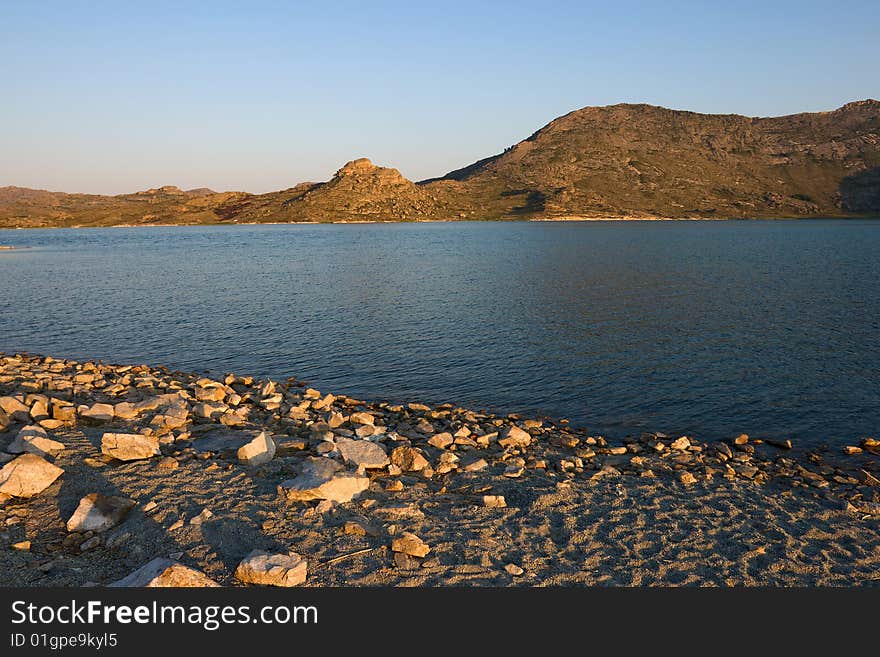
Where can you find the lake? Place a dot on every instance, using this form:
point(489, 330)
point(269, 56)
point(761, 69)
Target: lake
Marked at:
point(706, 328)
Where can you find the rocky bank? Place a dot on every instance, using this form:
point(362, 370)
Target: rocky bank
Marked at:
point(141, 476)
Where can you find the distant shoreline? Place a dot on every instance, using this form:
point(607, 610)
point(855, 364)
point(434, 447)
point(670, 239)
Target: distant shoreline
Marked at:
point(554, 219)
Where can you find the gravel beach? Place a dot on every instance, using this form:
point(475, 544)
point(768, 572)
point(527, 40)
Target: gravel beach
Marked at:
point(108, 469)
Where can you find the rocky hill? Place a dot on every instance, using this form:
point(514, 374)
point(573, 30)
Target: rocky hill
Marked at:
point(624, 161)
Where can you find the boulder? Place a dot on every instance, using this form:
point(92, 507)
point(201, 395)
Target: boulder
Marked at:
point(129, 446)
point(34, 440)
point(408, 459)
point(362, 453)
point(98, 513)
point(27, 476)
point(323, 479)
point(272, 569)
point(165, 573)
point(515, 437)
point(259, 451)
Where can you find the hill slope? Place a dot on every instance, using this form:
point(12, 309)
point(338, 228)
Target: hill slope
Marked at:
point(617, 161)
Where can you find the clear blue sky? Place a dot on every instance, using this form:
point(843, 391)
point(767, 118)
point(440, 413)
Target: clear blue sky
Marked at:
point(118, 96)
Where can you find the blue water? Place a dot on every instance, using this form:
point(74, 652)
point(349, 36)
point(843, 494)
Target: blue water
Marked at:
point(703, 328)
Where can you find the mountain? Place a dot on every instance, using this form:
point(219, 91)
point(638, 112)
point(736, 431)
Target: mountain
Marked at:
point(624, 161)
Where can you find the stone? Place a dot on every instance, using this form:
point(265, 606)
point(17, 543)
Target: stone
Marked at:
point(852, 450)
point(447, 463)
point(259, 451)
point(15, 409)
point(28, 475)
point(418, 407)
point(410, 544)
point(513, 436)
point(335, 420)
point(34, 440)
point(514, 570)
point(475, 466)
point(441, 440)
point(324, 404)
point(125, 411)
point(165, 573)
point(680, 444)
point(779, 444)
point(210, 394)
point(365, 430)
point(272, 569)
point(206, 514)
point(323, 479)
point(617, 451)
point(425, 427)
point(686, 478)
point(463, 432)
point(65, 414)
point(494, 501)
point(741, 439)
point(98, 513)
point(168, 463)
point(40, 410)
point(514, 471)
point(129, 446)
point(24, 546)
point(405, 561)
point(353, 528)
point(97, 413)
point(4, 420)
point(362, 453)
point(361, 418)
point(408, 459)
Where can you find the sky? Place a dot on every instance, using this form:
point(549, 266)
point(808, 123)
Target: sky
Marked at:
point(114, 97)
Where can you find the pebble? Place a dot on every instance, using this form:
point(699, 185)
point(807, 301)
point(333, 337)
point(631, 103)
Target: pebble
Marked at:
point(514, 570)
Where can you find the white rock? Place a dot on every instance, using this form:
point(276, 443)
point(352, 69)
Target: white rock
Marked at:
point(259, 451)
point(322, 479)
point(515, 437)
point(15, 409)
point(362, 453)
point(272, 569)
point(97, 412)
point(98, 513)
point(34, 440)
point(129, 446)
point(165, 573)
point(27, 476)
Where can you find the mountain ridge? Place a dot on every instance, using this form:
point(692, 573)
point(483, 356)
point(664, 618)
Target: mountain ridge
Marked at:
point(625, 161)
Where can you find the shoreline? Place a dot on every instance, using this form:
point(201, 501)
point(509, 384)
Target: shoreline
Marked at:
point(552, 219)
point(376, 494)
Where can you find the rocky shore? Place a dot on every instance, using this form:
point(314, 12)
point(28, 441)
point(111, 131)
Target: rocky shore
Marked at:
point(140, 476)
